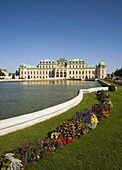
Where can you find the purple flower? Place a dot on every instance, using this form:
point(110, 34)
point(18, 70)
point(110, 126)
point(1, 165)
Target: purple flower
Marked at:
point(86, 120)
point(81, 113)
point(27, 149)
point(85, 114)
point(73, 117)
point(77, 113)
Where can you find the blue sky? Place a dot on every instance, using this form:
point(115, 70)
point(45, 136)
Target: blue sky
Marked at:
point(32, 30)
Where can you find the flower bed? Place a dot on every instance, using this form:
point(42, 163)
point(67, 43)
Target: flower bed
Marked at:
point(64, 134)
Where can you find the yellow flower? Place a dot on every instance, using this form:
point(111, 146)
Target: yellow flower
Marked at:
point(94, 119)
point(38, 156)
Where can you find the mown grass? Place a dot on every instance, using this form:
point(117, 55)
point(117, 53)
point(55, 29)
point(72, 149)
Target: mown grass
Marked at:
point(98, 149)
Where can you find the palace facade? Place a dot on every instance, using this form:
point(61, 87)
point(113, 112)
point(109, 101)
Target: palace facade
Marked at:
point(62, 69)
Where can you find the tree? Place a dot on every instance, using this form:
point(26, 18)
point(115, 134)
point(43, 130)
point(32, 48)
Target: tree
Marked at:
point(118, 72)
point(17, 73)
point(1, 73)
point(13, 76)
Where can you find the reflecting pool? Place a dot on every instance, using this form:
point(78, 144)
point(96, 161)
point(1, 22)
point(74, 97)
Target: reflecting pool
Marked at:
point(17, 98)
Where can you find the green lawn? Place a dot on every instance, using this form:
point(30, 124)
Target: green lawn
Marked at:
point(98, 149)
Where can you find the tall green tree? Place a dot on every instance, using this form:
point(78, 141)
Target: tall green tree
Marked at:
point(118, 72)
point(1, 73)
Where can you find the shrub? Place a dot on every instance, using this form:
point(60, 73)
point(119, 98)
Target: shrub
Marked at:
point(84, 116)
point(74, 128)
point(94, 119)
point(112, 88)
point(33, 151)
point(4, 162)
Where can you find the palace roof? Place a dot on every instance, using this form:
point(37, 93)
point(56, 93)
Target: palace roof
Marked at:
point(47, 60)
point(90, 66)
point(75, 59)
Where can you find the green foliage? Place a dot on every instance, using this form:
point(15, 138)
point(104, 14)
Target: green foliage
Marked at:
point(112, 88)
point(55, 135)
point(74, 128)
point(103, 109)
point(17, 73)
point(1, 73)
point(118, 72)
point(4, 162)
point(13, 76)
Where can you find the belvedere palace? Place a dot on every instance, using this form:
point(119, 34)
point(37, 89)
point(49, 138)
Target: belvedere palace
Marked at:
point(63, 69)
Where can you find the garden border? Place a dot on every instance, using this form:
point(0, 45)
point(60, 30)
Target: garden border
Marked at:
point(26, 120)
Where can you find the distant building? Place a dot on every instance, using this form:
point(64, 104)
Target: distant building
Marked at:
point(62, 69)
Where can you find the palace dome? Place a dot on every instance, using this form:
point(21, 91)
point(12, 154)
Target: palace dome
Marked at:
point(23, 65)
point(102, 64)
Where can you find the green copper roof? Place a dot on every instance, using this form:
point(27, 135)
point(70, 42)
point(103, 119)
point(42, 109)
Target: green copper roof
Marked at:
point(62, 60)
point(75, 59)
point(27, 66)
point(47, 60)
point(23, 65)
point(90, 66)
point(102, 64)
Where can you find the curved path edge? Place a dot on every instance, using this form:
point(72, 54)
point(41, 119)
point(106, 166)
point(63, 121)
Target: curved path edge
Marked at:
point(26, 120)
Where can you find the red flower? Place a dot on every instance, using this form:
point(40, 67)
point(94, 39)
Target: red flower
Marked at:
point(48, 149)
point(74, 138)
point(71, 140)
point(60, 135)
point(68, 138)
point(64, 143)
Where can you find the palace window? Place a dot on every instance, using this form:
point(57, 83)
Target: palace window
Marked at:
point(21, 72)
